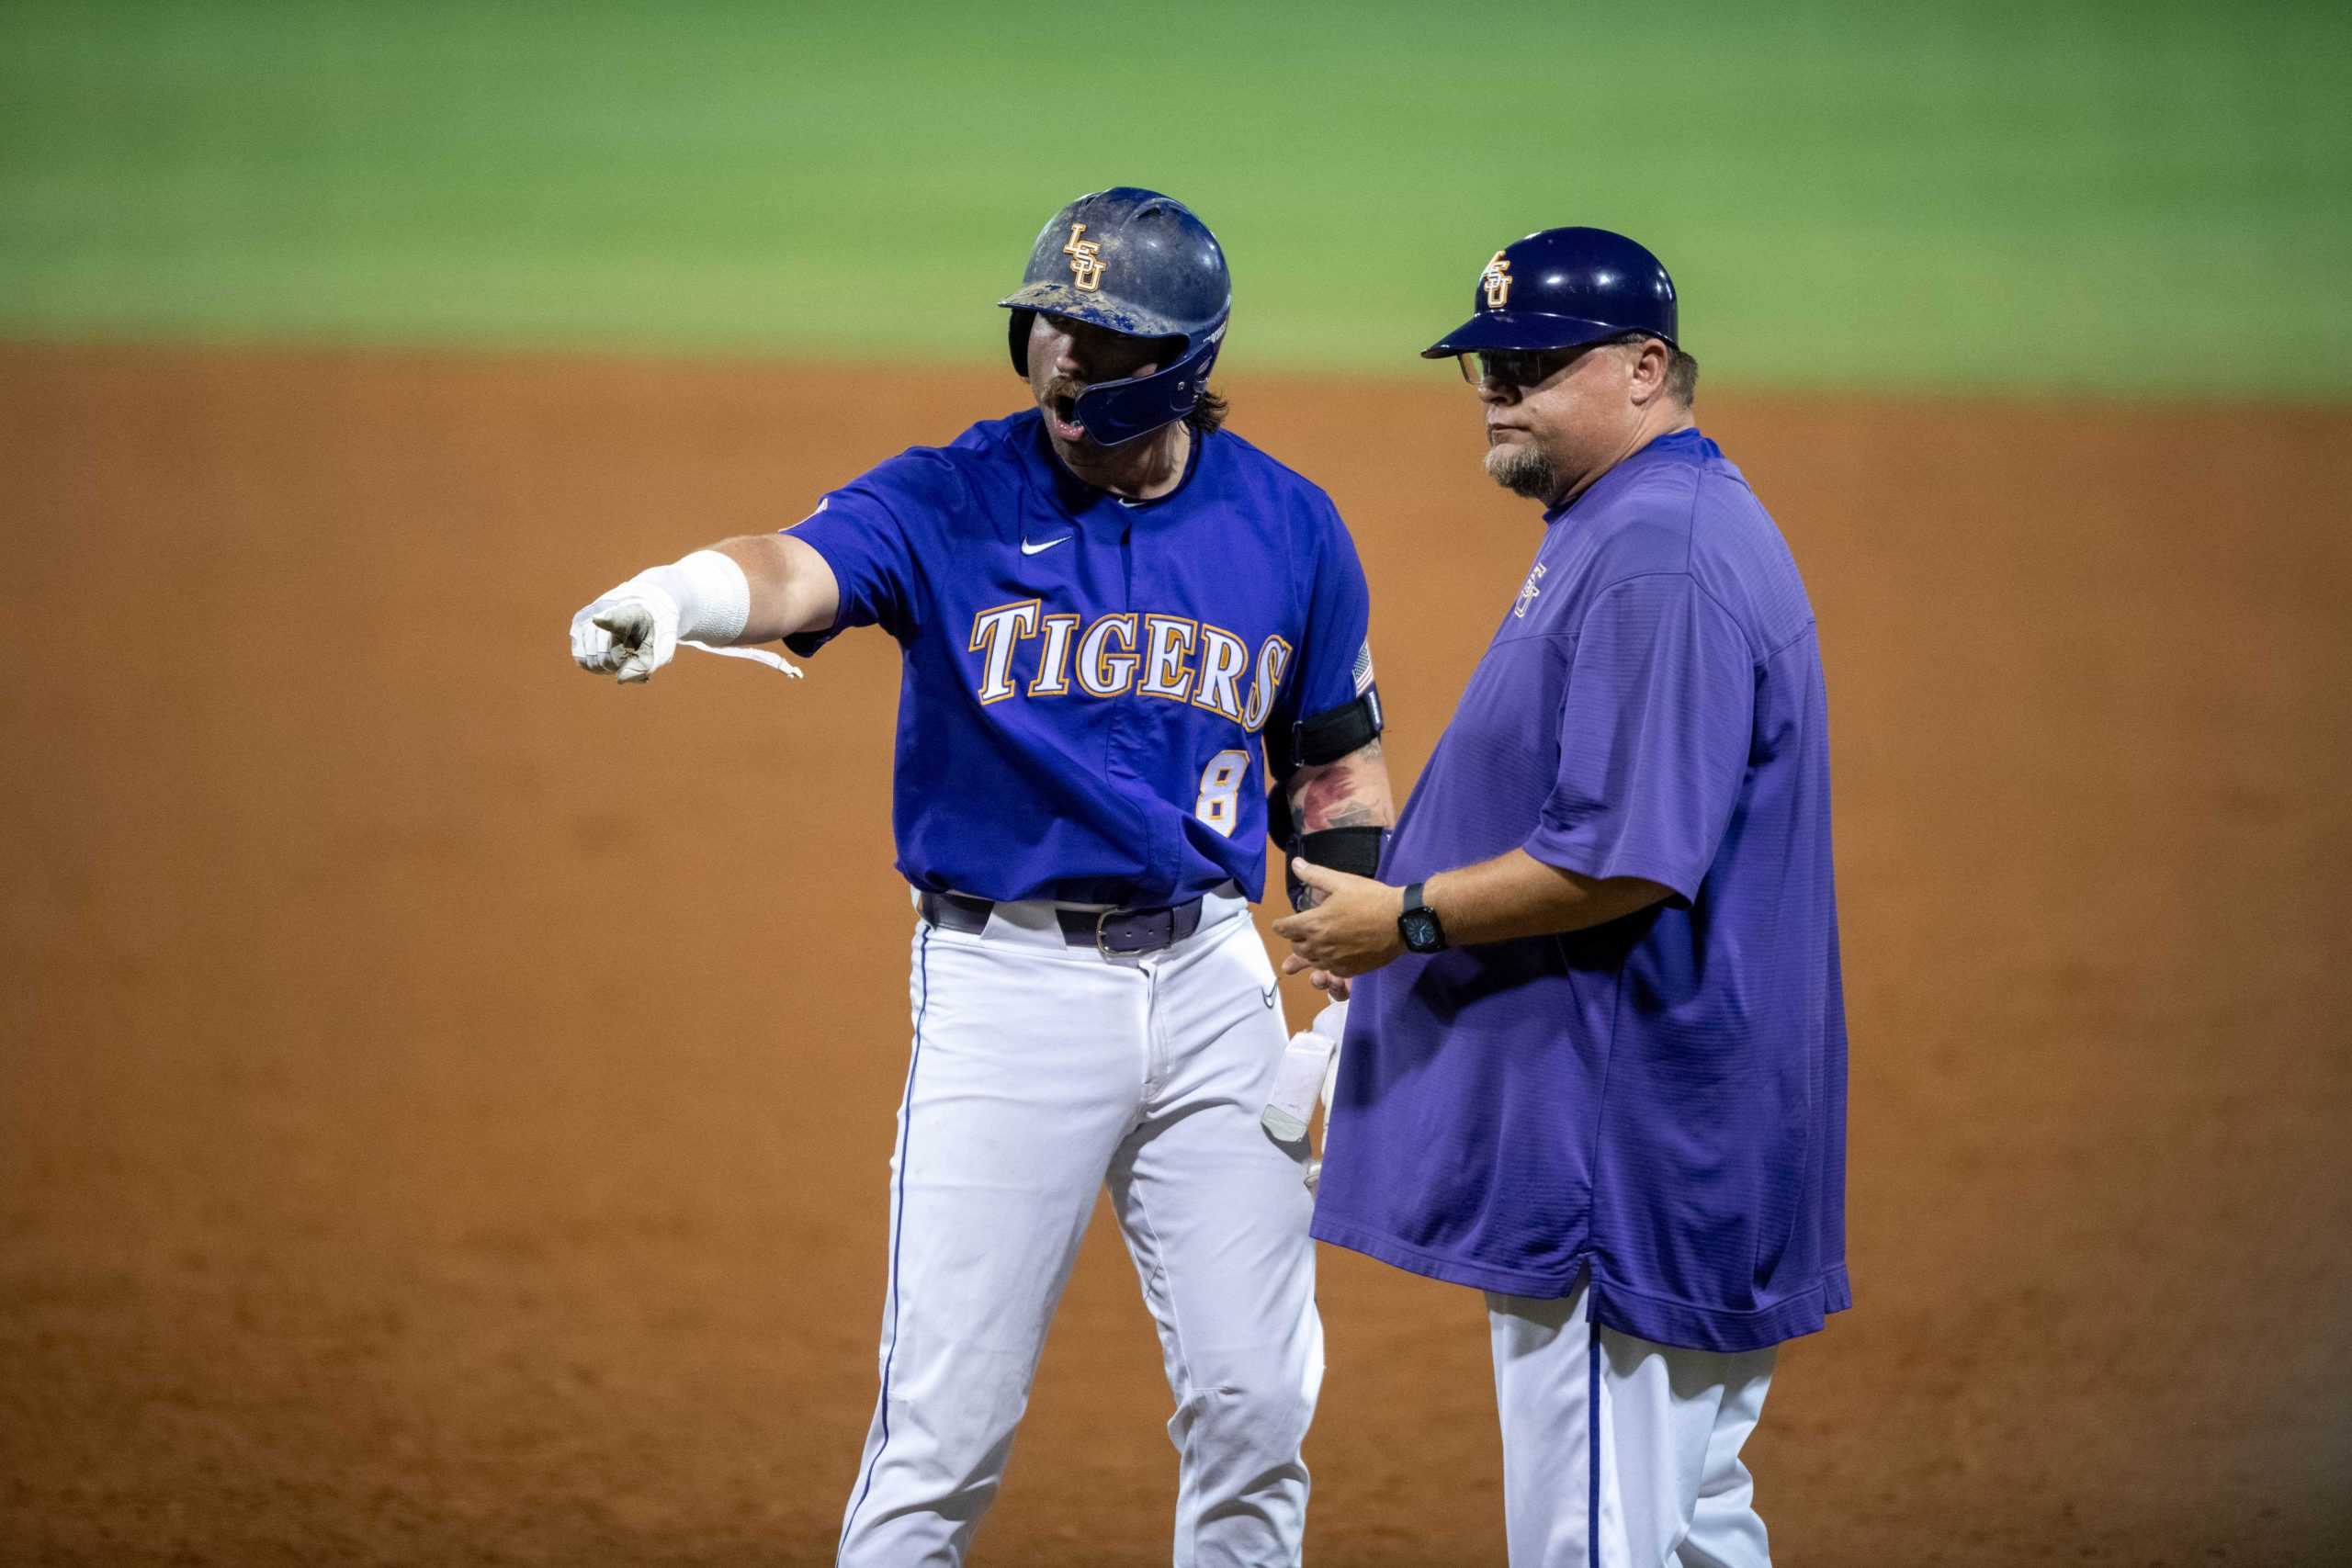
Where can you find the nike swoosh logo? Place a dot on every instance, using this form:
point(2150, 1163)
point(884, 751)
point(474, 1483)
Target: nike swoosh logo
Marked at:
point(1270, 993)
point(1029, 549)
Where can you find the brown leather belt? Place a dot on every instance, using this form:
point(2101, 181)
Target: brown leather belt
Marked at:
point(1114, 933)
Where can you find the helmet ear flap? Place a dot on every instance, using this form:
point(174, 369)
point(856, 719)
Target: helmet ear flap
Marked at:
point(1017, 336)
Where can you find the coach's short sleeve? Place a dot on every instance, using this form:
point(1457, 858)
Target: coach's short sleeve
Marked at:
point(1654, 734)
point(872, 532)
point(1334, 663)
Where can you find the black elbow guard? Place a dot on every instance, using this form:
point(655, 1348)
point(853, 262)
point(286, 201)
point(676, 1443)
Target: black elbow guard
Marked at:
point(1313, 743)
point(1355, 850)
point(1331, 734)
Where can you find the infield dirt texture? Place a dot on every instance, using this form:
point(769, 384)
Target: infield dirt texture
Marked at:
point(447, 1099)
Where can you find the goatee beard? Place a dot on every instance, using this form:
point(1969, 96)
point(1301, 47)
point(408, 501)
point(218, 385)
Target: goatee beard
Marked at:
point(1522, 470)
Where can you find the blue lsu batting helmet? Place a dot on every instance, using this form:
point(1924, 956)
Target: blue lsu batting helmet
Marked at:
point(1140, 264)
point(1563, 288)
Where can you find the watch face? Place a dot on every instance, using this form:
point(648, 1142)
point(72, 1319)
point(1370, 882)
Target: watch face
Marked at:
point(1421, 931)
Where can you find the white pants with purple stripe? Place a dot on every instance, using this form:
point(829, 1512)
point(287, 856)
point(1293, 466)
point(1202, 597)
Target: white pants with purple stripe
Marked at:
point(1619, 1453)
point(1039, 1073)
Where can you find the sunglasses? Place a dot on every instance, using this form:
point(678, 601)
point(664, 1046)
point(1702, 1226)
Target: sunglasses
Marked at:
point(1525, 368)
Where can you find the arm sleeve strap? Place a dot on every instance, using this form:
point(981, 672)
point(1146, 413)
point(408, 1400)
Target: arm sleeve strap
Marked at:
point(1353, 849)
point(1332, 734)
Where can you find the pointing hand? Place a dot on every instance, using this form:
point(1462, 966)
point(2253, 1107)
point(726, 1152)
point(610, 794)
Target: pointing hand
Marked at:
point(631, 633)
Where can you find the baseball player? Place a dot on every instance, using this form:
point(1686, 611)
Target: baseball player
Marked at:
point(1120, 624)
point(1595, 1062)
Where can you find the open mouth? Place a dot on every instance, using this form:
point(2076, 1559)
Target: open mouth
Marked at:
point(1061, 411)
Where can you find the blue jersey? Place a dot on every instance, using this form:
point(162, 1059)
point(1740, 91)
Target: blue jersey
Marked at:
point(1657, 1105)
point(1083, 677)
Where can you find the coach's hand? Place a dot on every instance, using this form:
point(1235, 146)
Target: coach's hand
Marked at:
point(1350, 930)
point(631, 633)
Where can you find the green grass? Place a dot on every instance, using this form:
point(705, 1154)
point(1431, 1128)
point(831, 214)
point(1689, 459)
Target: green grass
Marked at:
point(2134, 198)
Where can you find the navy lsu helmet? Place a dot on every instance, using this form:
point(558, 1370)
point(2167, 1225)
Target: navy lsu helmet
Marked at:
point(1139, 264)
point(1564, 288)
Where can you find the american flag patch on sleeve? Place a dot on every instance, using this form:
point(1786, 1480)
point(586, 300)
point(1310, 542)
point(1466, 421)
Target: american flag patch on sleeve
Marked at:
point(1364, 668)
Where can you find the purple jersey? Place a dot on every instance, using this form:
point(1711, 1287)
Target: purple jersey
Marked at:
point(1660, 1100)
point(1083, 677)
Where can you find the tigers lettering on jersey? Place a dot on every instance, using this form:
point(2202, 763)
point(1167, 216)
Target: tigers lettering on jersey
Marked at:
point(1087, 675)
point(1173, 657)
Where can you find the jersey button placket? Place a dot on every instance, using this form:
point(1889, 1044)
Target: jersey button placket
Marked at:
point(1118, 743)
point(1159, 845)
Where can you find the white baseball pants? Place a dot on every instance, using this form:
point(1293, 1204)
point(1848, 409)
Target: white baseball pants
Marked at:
point(1620, 1454)
point(1039, 1071)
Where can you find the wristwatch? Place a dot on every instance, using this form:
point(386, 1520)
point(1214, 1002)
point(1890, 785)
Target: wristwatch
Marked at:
point(1418, 925)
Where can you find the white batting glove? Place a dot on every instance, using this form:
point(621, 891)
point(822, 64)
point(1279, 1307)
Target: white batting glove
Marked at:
point(631, 632)
point(1297, 1083)
point(1310, 1069)
point(633, 629)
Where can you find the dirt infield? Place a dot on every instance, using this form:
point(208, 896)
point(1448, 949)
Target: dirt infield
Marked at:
point(444, 1100)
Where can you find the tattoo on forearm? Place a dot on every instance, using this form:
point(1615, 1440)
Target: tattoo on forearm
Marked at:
point(1349, 793)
